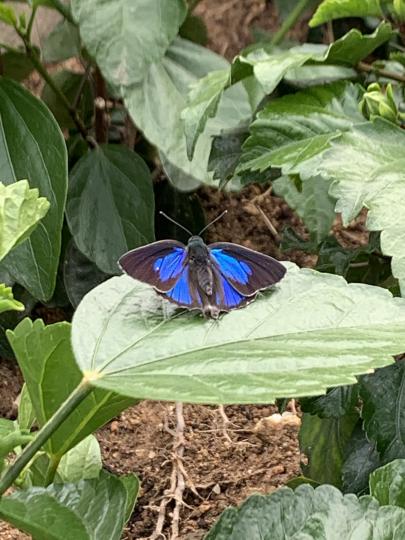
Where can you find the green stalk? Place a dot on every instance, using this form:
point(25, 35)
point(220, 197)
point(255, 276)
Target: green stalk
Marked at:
point(289, 21)
point(51, 470)
point(75, 398)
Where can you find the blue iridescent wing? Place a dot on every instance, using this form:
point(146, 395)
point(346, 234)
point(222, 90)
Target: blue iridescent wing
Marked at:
point(246, 271)
point(183, 293)
point(227, 297)
point(159, 264)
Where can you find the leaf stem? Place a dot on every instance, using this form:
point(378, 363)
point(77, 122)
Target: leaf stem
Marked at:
point(369, 68)
point(31, 22)
point(289, 21)
point(75, 398)
point(51, 470)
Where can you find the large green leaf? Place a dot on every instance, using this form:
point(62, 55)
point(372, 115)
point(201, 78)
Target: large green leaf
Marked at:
point(21, 209)
point(45, 357)
point(337, 9)
point(337, 402)
point(313, 203)
point(367, 166)
point(7, 300)
point(324, 441)
point(308, 513)
point(297, 127)
point(387, 484)
point(313, 331)
point(383, 396)
point(127, 36)
point(32, 147)
point(110, 207)
point(269, 67)
point(89, 510)
point(156, 103)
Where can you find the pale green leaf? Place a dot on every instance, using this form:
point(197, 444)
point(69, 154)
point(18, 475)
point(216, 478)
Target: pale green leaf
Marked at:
point(21, 208)
point(387, 484)
point(41, 352)
point(338, 9)
point(26, 414)
point(89, 510)
point(310, 514)
point(126, 36)
point(62, 42)
point(313, 204)
point(155, 106)
point(367, 166)
point(7, 300)
point(311, 332)
point(82, 462)
point(32, 147)
point(7, 15)
point(110, 207)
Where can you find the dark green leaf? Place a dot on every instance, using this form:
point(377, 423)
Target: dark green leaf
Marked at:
point(307, 513)
point(387, 484)
point(33, 147)
point(90, 510)
point(324, 441)
point(110, 206)
point(337, 402)
point(41, 352)
point(16, 65)
point(383, 395)
point(125, 339)
point(194, 29)
point(126, 37)
point(131, 484)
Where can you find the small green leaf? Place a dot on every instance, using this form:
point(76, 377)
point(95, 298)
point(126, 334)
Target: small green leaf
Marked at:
point(82, 462)
point(26, 414)
point(16, 65)
point(41, 351)
point(337, 9)
point(337, 402)
point(113, 182)
point(32, 146)
point(387, 484)
point(131, 484)
point(61, 43)
point(383, 396)
point(127, 37)
point(313, 204)
point(126, 340)
point(21, 209)
point(7, 300)
point(89, 510)
point(324, 440)
point(367, 169)
point(7, 15)
point(308, 513)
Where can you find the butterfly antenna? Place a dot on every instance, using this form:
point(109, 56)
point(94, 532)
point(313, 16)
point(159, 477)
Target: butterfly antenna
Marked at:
point(175, 222)
point(213, 221)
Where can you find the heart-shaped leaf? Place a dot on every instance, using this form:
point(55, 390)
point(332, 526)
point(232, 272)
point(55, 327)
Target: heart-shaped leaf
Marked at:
point(313, 331)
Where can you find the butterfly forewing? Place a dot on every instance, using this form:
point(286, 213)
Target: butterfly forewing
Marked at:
point(247, 271)
point(159, 264)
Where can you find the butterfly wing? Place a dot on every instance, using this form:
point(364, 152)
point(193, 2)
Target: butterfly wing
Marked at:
point(226, 296)
point(245, 270)
point(183, 293)
point(160, 264)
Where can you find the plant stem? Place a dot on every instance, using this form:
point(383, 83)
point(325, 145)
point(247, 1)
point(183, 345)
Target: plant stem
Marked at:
point(289, 21)
point(31, 22)
point(64, 10)
point(51, 470)
point(369, 68)
point(76, 397)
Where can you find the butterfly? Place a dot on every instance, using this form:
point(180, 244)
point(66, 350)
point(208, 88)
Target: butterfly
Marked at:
point(212, 278)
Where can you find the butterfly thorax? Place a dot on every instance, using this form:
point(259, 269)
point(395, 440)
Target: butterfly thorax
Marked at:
point(200, 264)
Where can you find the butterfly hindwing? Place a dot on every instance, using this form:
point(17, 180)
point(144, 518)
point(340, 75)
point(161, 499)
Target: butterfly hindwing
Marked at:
point(159, 264)
point(227, 297)
point(183, 293)
point(246, 271)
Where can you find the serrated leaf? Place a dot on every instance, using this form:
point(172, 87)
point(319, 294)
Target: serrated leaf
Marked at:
point(126, 37)
point(387, 484)
point(367, 167)
point(41, 351)
point(89, 510)
point(296, 128)
point(113, 182)
point(313, 204)
point(7, 300)
point(307, 513)
point(21, 208)
point(324, 441)
point(383, 396)
point(82, 462)
point(155, 106)
point(125, 339)
point(33, 147)
point(337, 9)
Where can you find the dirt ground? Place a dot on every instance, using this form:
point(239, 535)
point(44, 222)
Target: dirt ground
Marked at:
point(223, 463)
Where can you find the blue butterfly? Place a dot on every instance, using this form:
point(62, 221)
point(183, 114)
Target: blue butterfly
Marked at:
point(214, 278)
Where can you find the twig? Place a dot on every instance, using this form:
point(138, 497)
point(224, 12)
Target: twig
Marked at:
point(269, 224)
point(289, 21)
point(369, 68)
point(226, 422)
point(101, 126)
